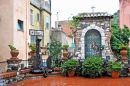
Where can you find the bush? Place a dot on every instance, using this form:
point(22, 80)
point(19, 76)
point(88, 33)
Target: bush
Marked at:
point(92, 67)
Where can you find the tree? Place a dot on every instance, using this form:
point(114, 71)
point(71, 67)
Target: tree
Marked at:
point(120, 36)
point(115, 19)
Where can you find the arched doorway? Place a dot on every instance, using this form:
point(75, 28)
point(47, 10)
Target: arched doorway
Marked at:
point(92, 43)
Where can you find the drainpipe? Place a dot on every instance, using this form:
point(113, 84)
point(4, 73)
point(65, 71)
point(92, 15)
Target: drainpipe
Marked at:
point(26, 34)
point(57, 21)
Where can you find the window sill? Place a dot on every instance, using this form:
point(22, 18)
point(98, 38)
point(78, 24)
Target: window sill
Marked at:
point(20, 30)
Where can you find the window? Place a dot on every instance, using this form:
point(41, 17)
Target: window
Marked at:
point(47, 22)
point(31, 17)
point(33, 39)
point(20, 25)
point(38, 17)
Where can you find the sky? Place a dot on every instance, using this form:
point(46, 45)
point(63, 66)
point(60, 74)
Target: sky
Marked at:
point(68, 8)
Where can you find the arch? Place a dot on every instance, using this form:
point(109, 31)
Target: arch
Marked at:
point(84, 31)
point(92, 43)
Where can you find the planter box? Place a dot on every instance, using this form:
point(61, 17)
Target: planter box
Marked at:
point(57, 69)
point(25, 71)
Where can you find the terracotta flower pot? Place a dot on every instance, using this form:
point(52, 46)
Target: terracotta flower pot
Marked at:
point(115, 74)
point(65, 53)
point(123, 53)
point(32, 52)
point(14, 53)
point(71, 73)
point(129, 70)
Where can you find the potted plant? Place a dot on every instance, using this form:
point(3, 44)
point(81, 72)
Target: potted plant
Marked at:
point(115, 69)
point(33, 48)
point(65, 47)
point(14, 52)
point(92, 67)
point(123, 51)
point(65, 51)
point(69, 67)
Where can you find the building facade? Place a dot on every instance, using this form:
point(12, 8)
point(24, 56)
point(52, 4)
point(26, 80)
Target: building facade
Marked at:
point(124, 13)
point(15, 22)
point(40, 19)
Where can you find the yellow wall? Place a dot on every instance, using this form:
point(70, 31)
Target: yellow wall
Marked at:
point(36, 24)
point(43, 26)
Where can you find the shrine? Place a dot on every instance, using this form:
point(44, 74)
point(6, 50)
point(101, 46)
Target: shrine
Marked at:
point(93, 35)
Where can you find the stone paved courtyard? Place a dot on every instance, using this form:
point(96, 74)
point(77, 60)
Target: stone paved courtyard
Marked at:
point(74, 81)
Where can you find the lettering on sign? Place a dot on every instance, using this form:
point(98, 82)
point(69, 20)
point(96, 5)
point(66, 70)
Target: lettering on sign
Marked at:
point(36, 32)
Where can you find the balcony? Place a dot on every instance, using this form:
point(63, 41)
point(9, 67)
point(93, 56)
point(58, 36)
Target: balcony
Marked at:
point(46, 6)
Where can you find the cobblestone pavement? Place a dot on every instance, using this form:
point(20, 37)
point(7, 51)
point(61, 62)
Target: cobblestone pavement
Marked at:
point(73, 81)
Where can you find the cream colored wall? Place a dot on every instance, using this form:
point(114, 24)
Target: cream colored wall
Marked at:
point(10, 12)
point(20, 38)
point(46, 31)
point(6, 28)
point(69, 41)
point(36, 23)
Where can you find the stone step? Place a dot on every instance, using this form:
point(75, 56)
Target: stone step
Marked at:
point(49, 74)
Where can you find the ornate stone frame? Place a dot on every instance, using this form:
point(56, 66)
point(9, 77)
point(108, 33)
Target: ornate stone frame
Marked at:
point(84, 31)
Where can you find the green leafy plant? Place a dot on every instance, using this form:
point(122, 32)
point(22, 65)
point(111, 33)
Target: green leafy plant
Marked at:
point(65, 47)
point(12, 47)
point(33, 48)
point(119, 37)
point(55, 52)
point(92, 66)
point(128, 53)
point(115, 66)
point(69, 65)
point(123, 47)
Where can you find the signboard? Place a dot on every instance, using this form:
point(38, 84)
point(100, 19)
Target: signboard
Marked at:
point(36, 32)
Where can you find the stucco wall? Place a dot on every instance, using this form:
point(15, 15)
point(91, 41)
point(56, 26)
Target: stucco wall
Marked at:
point(11, 11)
point(60, 36)
point(124, 13)
point(21, 12)
point(6, 28)
point(69, 41)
